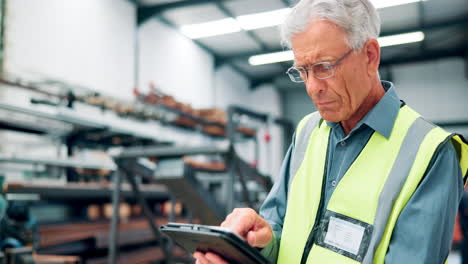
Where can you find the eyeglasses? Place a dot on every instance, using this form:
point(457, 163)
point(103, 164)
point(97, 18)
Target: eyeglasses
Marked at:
point(320, 70)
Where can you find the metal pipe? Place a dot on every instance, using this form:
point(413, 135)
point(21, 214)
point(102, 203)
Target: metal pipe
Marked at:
point(114, 232)
point(63, 163)
point(171, 151)
point(231, 134)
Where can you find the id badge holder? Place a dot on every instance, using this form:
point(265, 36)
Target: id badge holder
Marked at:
point(344, 235)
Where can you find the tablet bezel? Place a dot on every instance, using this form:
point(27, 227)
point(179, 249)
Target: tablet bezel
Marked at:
point(214, 239)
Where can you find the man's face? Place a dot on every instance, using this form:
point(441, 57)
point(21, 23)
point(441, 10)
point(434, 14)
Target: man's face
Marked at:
point(339, 97)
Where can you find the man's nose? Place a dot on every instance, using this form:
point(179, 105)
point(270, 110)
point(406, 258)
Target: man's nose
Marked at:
point(314, 85)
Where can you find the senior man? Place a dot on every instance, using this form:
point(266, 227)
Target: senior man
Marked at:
point(366, 179)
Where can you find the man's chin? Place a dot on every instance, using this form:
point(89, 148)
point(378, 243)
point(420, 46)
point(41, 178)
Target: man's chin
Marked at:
point(329, 117)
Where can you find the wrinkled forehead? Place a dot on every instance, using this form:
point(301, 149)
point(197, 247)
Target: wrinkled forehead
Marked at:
point(320, 39)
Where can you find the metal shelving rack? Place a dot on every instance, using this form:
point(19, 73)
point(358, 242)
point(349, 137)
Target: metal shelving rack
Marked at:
point(130, 163)
point(71, 130)
point(74, 131)
point(131, 166)
point(74, 191)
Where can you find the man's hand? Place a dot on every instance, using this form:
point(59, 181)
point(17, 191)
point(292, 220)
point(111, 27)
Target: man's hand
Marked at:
point(246, 223)
point(249, 225)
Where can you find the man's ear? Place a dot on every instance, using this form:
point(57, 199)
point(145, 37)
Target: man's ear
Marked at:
point(372, 53)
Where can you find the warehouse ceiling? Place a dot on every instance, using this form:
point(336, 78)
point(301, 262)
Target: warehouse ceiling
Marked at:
point(444, 23)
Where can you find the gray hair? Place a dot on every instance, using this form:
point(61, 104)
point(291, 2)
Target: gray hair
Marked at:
point(358, 18)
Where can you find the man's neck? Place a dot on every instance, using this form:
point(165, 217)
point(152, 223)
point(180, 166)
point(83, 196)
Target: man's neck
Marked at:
point(377, 92)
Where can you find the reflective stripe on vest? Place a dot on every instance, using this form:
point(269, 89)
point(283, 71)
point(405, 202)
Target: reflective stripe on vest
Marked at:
point(304, 129)
point(399, 162)
point(396, 180)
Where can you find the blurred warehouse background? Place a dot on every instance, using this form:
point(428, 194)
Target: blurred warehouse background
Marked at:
point(184, 103)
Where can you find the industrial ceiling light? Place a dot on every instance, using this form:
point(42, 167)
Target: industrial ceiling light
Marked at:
point(271, 58)
point(209, 29)
point(264, 19)
point(401, 39)
point(383, 42)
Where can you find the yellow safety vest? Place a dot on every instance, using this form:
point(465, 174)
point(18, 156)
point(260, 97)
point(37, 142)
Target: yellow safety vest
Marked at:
point(363, 209)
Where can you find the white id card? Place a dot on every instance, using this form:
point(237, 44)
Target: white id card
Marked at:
point(344, 235)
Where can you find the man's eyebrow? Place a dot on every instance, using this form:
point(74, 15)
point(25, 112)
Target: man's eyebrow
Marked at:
point(322, 59)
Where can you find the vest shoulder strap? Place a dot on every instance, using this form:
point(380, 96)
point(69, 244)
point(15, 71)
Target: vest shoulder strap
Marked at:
point(304, 129)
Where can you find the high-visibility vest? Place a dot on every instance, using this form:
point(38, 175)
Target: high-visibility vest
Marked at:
point(360, 217)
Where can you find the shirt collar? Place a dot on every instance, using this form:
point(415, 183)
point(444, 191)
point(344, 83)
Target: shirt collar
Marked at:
point(381, 118)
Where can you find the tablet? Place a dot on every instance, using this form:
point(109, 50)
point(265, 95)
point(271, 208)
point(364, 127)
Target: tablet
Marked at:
point(221, 241)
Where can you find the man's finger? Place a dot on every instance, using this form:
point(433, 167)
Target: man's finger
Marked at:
point(200, 257)
point(214, 259)
point(242, 224)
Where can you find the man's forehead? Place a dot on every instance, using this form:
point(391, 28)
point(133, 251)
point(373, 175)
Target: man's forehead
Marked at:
point(302, 59)
point(313, 53)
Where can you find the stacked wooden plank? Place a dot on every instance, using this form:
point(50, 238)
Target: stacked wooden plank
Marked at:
point(211, 121)
point(133, 231)
point(55, 259)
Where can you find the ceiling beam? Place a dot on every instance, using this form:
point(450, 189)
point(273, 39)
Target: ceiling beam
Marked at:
point(257, 82)
point(422, 22)
point(287, 3)
point(146, 12)
point(427, 27)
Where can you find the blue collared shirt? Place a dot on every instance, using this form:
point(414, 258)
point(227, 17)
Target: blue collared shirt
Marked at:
point(423, 232)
